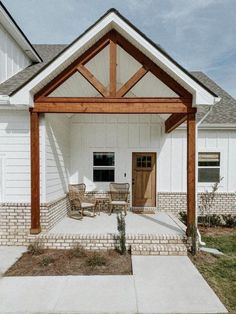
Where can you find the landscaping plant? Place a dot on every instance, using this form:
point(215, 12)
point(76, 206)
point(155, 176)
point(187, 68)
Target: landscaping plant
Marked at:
point(122, 234)
point(229, 220)
point(183, 217)
point(35, 248)
point(207, 200)
point(95, 260)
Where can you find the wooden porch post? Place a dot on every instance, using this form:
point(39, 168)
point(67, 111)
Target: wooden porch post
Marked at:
point(35, 173)
point(191, 166)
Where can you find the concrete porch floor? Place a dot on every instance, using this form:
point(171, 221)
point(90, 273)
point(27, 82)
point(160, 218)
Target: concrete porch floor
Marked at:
point(159, 223)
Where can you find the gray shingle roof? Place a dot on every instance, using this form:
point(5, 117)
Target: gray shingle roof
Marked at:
point(47, 53)
point(223, 112)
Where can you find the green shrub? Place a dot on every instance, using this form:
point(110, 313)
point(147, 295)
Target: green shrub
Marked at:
point(229, 220)
point(96, 259)
point(214, 220)
point(77, 252)
point(47, 260)
point(122, 233)
point(35, 248)
point(183, 217)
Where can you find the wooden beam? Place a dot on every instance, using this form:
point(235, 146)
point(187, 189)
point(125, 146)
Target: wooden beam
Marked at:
point(84, 58)
point(146, 100)
point(113, 64)
point(35, 173)
point(93, 81)
point(191, 174)
point(175, 120)
point(112, 107)
point(131, 82)
point(154, 68)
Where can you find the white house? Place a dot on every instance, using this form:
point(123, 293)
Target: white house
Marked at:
point(112, 107)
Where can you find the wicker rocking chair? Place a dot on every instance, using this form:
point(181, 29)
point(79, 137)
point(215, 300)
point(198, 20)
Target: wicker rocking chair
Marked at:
point(119, 194)
point(80, 202)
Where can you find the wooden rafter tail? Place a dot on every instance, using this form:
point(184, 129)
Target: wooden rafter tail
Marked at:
point(93, 81)
point(174, 121)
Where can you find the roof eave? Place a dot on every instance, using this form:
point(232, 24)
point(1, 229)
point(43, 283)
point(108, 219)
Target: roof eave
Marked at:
point(14, 30)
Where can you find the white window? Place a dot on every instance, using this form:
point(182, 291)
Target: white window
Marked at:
point(103, 167)
point(209, 167)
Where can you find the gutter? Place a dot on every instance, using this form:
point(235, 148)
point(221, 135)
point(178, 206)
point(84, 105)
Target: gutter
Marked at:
point(196, 176)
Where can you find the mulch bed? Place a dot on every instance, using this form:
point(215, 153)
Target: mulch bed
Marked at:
point(216, 231)
point(71, 262)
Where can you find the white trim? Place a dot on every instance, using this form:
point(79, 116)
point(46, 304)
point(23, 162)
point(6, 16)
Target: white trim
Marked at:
point(200, 95)
point(12, 29)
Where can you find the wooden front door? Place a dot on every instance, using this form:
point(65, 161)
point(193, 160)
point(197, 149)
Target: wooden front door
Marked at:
point(144, 179)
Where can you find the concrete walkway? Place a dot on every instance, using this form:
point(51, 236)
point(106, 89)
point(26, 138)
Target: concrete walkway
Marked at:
point(9, 255)
point(162, 284)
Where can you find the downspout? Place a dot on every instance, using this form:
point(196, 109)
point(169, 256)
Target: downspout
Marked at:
point(196, 211)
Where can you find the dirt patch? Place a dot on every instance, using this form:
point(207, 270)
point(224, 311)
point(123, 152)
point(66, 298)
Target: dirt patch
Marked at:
point(71, 262)
point(216, 231)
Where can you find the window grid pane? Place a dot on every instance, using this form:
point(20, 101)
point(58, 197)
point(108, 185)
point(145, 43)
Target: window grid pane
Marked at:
point(103, 167)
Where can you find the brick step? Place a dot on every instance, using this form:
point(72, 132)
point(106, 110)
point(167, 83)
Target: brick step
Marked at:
point(158, 249)
point(106, 241)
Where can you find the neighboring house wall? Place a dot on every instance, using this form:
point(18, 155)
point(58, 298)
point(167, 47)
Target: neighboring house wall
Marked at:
point(12, 57)
point(57, 154)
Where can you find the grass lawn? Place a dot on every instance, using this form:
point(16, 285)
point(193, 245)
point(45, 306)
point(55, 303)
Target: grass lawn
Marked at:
point(220, 271)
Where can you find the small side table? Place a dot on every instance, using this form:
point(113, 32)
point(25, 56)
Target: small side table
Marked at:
point(101, 201)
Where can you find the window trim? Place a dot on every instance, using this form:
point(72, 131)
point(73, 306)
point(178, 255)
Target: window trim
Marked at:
point(221, 166)
point(103, 167)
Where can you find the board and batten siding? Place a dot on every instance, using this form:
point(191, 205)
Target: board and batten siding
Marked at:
point(124, 134)
point(12, 57)
point(67, 146)
point(57, 154)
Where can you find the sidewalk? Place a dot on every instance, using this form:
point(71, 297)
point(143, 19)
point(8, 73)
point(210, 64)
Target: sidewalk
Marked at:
point(160, 284)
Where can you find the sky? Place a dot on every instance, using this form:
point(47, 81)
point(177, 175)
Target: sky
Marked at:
point(198, 34)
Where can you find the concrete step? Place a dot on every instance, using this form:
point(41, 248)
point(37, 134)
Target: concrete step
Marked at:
point(158, 249)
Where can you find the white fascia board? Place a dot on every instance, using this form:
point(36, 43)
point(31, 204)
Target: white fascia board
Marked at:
point(200, 95)
point(12, 29)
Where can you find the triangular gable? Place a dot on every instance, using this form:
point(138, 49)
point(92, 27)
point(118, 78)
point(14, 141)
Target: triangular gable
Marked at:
point(113, 67)
point(113, 20)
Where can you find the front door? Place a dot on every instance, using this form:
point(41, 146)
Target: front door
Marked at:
point(144, 179)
